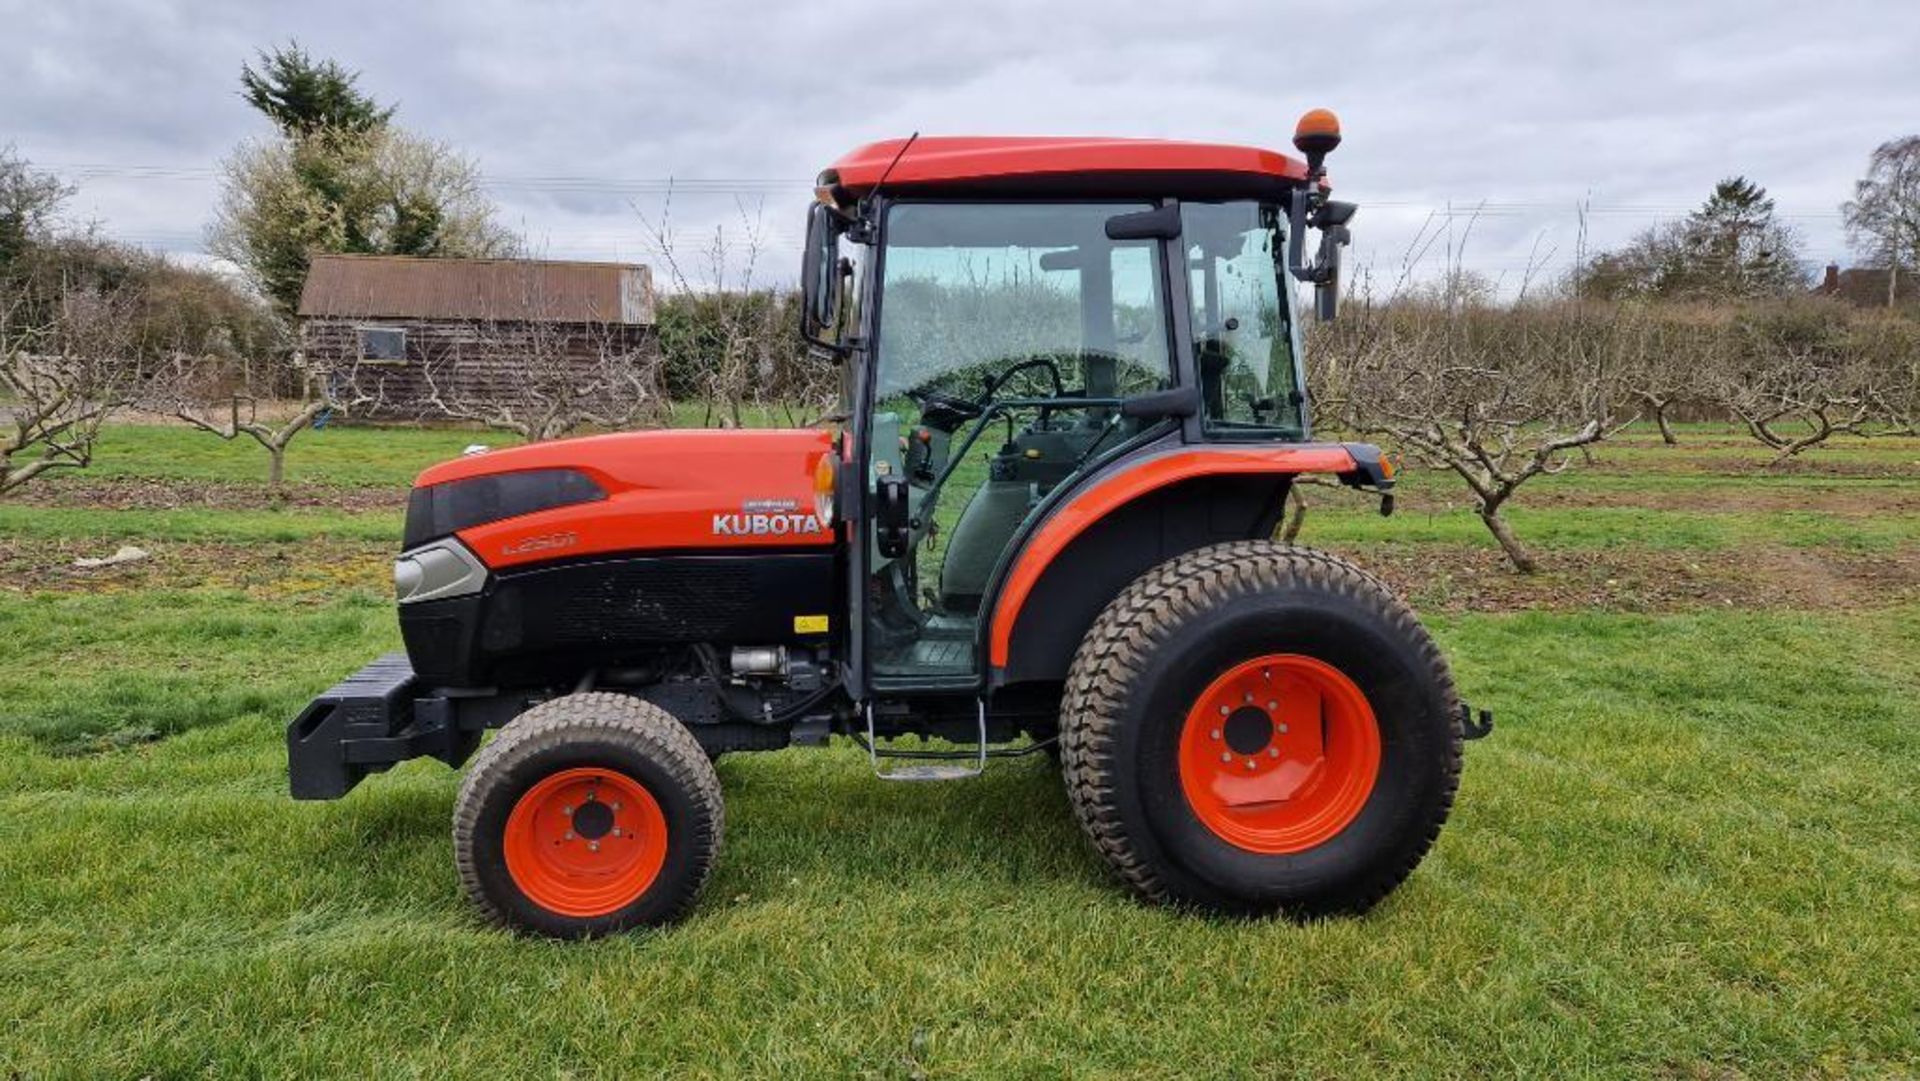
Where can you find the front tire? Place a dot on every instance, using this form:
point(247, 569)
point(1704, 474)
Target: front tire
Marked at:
point(588, 815)
point(1254, 728)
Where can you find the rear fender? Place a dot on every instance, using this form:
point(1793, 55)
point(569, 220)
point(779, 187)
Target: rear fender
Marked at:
point(1116, 528)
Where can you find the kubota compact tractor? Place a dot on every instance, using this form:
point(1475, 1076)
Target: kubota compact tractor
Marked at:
point(1072, 406)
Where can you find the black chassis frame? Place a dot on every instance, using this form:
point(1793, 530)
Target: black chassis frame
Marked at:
point(385, 714)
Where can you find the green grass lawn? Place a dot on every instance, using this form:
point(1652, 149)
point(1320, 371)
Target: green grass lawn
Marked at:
point(1690, 849)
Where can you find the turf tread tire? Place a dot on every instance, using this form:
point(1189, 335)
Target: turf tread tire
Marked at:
point(605, 719)
point(1117, 649)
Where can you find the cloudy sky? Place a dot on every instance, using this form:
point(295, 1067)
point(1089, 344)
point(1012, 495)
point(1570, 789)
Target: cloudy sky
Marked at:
point(1508, 115)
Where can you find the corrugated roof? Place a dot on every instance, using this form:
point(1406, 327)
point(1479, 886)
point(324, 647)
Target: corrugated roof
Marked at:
point(496, 290)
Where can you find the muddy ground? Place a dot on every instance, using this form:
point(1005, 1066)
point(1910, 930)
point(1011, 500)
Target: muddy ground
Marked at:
point(1434, 577)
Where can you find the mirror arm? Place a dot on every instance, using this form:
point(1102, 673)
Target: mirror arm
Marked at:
point(1301, 203)
point(838, 350)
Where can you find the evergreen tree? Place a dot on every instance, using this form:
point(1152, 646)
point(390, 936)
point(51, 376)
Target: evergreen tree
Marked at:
point(341, 178)
point(302, 95)
point(1735, 247)
point(1732, 247)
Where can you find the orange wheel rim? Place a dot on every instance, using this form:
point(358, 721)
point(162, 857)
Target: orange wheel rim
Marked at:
point(586, 842)
point(1279, 754)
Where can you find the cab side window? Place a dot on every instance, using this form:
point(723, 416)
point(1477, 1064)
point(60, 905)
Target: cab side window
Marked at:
point(1242, 327)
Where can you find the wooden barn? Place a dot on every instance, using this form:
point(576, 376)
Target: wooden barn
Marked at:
point(428, 331)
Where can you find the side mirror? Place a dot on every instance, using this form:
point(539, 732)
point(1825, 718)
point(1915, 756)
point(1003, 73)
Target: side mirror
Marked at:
point(820, 278)
point(1326, 280)
point(1311, 210)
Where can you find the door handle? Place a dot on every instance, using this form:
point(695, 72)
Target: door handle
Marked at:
point(890, 521)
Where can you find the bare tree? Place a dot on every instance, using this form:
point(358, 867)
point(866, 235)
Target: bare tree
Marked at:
point(739, 338)
point(200, 390)
point(1790, 405)
point(1497, 397)
point(561, 378)
point(1672, 362)
point(63, 373)
point(1796, 376)
point(1883, 217)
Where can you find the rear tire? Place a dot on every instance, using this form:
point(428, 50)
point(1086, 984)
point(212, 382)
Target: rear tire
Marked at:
point(1254, 728)
point(588, 815)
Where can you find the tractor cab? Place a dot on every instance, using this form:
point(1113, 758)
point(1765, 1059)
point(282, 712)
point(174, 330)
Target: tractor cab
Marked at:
point(1007, 336)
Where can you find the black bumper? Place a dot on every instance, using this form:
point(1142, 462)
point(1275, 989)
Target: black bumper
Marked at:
point(365, 724)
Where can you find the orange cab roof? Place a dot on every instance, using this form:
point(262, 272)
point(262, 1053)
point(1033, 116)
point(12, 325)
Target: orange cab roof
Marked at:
point(1139, 166)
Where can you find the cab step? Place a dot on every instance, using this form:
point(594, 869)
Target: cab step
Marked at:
point(933, 765)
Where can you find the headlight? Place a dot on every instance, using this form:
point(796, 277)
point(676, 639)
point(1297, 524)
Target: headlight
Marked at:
point(442, 569)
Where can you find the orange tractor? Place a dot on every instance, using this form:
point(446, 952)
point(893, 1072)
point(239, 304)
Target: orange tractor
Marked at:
point(1072, 407)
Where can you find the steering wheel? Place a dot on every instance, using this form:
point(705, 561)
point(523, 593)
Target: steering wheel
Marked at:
point(1039, 361)
point(946, 412)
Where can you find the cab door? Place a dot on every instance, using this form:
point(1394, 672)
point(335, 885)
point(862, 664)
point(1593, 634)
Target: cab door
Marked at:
point(1007, 335)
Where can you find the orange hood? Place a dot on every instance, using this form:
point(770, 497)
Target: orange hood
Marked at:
point(676, 489)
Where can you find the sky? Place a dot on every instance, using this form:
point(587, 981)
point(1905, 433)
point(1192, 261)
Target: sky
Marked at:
point(1476, 129)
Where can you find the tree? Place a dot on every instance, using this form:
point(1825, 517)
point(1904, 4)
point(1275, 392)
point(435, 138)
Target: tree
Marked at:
point(1883, 217)
point(383, 192)
point(65, 367)
point(1495, 396)
point(29, 202)
point(196, 390)
point(1673, 361)
point(725, 339)
point(1799, 374)
point(303, 96)
point(1733, 247)
point(341, 179)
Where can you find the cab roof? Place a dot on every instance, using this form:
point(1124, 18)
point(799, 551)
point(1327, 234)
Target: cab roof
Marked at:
point(1056, 166)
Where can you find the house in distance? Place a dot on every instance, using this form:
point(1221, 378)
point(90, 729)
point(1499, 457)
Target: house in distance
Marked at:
point(425, 333)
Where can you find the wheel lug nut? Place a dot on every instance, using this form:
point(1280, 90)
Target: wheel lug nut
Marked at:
point(1249, 696)
point(1223, 711)
point(1283, 729)
point(1271, 706)
point(1225, 757)
point(1273, 752)
point(1216, 733)
point(568, 811)
point(615, 806)
point(616, 831)
point(593, 846)
point(1249, 763)
point(569, 835)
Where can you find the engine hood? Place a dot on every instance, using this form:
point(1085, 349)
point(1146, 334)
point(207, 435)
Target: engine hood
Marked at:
point(665, 490)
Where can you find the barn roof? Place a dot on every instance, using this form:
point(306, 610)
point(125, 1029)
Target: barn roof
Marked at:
point(495, 290)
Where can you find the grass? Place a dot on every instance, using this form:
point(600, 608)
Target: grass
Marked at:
point(178, 660)
point(1690, 849)
point(339, 456)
